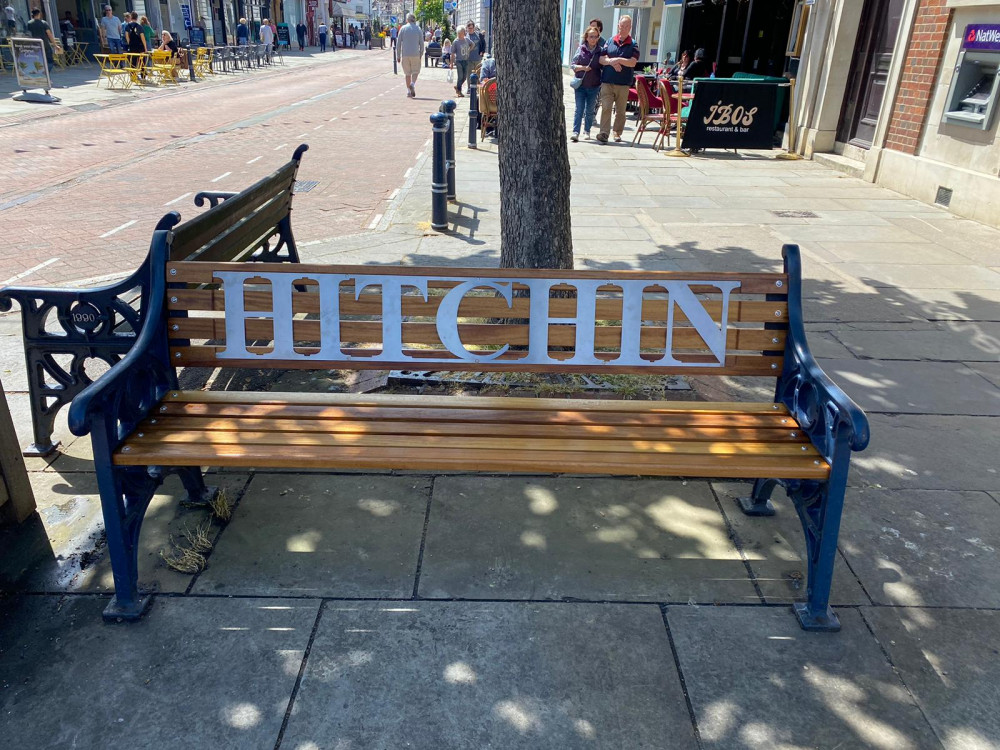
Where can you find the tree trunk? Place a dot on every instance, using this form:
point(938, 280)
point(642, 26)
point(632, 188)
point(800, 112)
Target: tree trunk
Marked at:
point(534, 163)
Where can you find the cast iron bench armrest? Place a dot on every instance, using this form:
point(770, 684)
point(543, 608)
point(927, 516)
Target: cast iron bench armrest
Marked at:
point(820, 406)
point(214, 197)
point(125, 394)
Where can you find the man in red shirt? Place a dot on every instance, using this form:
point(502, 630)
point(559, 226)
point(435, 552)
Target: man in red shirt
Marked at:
point(619, 59)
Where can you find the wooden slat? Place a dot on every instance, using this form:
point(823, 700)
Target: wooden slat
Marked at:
point(566, 418)
point(740, 311)
point(751, 283)
point(191, 235)
point(181, 423)
point(470, 442)
point(206, 356)
point(515, 403)
point(481, 334)
point(248, 233)
point(414, 458)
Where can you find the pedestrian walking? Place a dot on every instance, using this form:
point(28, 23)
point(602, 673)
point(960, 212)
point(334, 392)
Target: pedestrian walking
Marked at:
point(112, 29)
point(267, 37)
point(476, 46)
point(460, 53)
point(409, 50)
point(242, 33)
point(587, 66)
point(10, 19)
point(368, 37)
point(597, 23)
point(393, 33)
point(40, 29)
point(300, 32)
point(619, 58)
point(322, 30)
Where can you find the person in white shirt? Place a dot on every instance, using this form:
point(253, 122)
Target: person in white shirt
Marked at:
point(10, 19)
point(267, 36)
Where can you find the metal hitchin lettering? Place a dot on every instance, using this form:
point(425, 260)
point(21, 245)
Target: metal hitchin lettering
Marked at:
point(679, 296)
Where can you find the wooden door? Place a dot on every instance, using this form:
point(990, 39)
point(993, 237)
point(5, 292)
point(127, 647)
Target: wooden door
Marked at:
point(869, 71)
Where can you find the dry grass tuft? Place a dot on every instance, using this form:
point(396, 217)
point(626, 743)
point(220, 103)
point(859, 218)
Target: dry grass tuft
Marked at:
point(188, 554)
point(222, 506)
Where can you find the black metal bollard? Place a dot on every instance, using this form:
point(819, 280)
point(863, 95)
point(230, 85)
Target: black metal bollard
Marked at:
point(190, 56)
point(448, 108)
point(439, 178)
point(473, 109)
point(394, 71)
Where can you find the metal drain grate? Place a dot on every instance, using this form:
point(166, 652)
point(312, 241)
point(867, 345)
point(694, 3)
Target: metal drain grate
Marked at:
point(795, 214)
point(943, 197)
point(304, 186)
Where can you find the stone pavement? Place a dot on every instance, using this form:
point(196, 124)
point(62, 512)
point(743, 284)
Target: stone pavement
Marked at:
point(386, 610)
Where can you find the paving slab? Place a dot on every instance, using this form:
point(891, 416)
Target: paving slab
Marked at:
point(756, 680)
point(914, 387)
point(954, 342)
point(590, 538)
point(775, 549)
point(949, 659)
point(461, 676)
point(990, 371)
point(929, 452)
point(63, 548)
point(941, 276)
point(321, 535)
point(903, 253)
point(924, 547)
point(193, 673)
point(951, 304)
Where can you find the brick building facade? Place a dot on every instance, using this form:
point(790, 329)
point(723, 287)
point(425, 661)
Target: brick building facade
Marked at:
point(895, 92)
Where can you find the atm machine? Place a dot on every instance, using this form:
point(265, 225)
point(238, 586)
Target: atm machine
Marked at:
point(975, 86)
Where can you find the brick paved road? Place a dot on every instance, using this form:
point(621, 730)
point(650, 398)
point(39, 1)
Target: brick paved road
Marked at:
point(82, 191)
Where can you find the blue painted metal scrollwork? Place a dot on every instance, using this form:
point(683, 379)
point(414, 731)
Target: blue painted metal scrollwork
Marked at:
point(91, 324)
point(113, 407)
point(836, 426)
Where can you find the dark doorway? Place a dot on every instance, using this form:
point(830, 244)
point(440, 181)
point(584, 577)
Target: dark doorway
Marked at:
point(869, 71)
point(739, 35)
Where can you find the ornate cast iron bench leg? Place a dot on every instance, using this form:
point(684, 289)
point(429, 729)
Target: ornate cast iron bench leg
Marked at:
point(759, 502)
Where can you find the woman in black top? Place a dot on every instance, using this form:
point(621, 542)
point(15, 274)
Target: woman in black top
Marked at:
point(169, 44)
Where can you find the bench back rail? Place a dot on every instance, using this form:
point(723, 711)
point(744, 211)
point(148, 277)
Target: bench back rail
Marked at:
point(364, 317)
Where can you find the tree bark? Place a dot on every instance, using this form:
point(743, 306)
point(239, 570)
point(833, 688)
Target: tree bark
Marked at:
point(535, 227)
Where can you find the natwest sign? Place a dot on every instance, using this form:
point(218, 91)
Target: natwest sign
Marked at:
point(983, 36)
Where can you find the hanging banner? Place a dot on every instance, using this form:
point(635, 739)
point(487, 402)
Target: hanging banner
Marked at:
point(30, 64)
point(731, 114)
point(186, 12)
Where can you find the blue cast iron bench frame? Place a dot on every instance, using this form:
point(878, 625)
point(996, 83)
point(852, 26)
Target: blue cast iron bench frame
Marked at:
point(240, 315)
point(102, 323)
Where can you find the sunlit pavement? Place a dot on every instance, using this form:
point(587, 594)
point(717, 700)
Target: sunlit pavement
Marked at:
point(376, 610)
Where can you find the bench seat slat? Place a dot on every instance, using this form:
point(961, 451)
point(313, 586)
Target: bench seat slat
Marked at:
point(413, 427)
point(464, 459)
point(484, 415)
point(459, 439)
point(740, 311)
point(381, 400)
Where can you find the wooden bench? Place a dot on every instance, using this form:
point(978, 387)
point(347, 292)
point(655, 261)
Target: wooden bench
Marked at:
point(64, 328)
point(367, 317)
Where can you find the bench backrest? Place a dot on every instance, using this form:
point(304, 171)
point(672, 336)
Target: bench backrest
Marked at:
point(390, 317)
point(236, 229)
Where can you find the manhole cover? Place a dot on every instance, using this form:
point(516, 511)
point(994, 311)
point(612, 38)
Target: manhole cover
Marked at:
point(304, 186)
point(795, 214)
